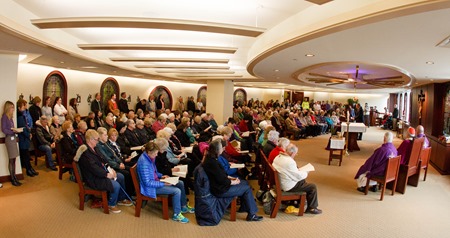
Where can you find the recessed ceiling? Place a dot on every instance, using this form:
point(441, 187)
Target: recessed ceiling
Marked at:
point(258, 43)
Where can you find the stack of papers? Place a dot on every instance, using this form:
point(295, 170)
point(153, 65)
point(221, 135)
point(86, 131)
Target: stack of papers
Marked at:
point(183, 171)
point(307, 168)
point(171, 180)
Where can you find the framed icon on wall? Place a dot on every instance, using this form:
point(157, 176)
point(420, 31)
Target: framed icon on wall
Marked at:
point(239, 97)
point(108, 88)
point(161, 90)
point(55, 85)
point(202, 94)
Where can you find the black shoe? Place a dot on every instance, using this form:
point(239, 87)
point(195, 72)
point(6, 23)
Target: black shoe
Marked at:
point(34, 171)
point(254, 217)
point(54, 168)
point(374, 188)
point(314, 211)
point(15, 182)
point(361, 189)
point(30, 173)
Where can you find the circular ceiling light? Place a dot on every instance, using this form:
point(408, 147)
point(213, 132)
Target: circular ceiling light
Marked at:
point(309, 55)
point(429, 62)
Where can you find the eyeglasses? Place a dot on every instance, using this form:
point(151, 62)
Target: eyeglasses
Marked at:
point(96, 139)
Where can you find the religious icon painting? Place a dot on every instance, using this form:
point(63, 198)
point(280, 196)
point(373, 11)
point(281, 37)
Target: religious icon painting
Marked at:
point(165, 92)
point(108, 88)
point(55, 85)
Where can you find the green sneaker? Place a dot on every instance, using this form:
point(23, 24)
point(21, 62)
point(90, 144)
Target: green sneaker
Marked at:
point(180, 218)
point(187, 209)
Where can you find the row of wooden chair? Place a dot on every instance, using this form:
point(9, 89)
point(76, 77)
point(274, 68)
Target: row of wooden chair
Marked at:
point(270, 178)
point(397, 175)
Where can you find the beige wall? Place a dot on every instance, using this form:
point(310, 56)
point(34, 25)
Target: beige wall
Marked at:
point(8, 69)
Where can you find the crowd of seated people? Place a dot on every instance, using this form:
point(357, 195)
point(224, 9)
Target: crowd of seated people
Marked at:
point(114, 134)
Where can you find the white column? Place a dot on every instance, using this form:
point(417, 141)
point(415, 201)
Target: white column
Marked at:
point(219, 99)
point(8, 85)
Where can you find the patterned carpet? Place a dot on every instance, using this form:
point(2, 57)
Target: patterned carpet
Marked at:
point(47, 207)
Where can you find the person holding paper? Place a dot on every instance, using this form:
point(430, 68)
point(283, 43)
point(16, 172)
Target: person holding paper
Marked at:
point(294, 180)
point(224, 186)
point(231, 153)
point(10, 131)
point(151, 185)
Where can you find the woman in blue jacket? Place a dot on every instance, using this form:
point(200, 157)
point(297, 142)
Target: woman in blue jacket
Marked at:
point(151, 186)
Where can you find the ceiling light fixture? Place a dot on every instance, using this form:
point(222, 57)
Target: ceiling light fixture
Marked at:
point(429, 62)
point(309, 55)
point(276, 70)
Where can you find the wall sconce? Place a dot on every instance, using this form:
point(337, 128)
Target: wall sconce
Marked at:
point(138, 99)
point(78, 98)
point(21, 96)
point(31, 100)
point(89, 99)
point(129, 99)
point(421, 96)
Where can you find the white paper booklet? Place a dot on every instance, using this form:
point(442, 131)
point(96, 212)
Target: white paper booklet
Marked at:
point(187, 149)
point(183, 171)
point(307, 168)
point(245, 134)
point(171, 180)
point(237, 166)
point(137, 147)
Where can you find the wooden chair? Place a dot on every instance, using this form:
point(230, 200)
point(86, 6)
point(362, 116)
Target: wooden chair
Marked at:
point(139, 197)
point(390, 175)
point(37, 152)
point(61, 162)
point(424, 159)
point(84, 190)
point(409, 173)
point(274, 183)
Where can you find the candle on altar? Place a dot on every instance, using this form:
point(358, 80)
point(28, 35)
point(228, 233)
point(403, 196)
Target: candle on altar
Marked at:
point(348, 116)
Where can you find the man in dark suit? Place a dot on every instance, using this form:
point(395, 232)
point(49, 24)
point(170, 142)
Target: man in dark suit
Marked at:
point(97, 104)
point(123, 103)
point(359, 117)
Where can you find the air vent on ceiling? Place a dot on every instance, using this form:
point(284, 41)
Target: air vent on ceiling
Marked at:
point(444, 43)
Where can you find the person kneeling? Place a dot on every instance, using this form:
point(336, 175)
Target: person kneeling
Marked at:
point(151, 186)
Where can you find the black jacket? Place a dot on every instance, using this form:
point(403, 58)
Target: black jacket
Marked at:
point(123, 105)
point(93, 171)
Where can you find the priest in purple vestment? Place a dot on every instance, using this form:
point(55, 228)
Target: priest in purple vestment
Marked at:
point(406, 146)
point(420, 132)
point(376, 164)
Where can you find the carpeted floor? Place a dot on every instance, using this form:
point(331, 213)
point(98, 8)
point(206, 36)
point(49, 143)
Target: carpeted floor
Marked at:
point(47, 207)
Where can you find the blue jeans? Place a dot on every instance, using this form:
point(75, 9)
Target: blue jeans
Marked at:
point(244, 191)
point(118, 194)
point(178, 195)
point(48, 154)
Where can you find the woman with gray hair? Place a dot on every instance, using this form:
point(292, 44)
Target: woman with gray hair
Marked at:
point(272, 141)
point(280, 148)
